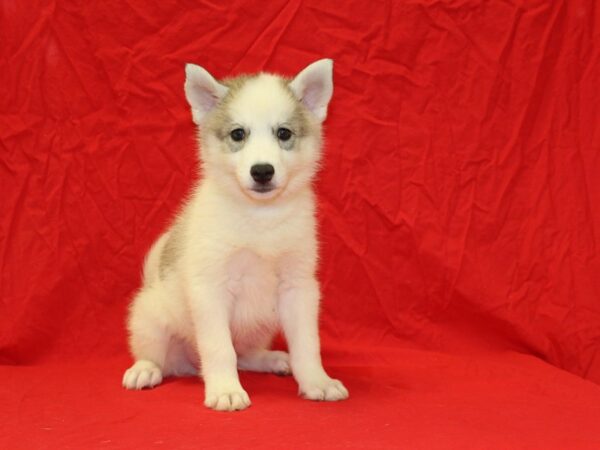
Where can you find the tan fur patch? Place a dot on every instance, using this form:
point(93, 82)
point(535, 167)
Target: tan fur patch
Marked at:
point(299, 120)
point(170, 252)
point(218, 121)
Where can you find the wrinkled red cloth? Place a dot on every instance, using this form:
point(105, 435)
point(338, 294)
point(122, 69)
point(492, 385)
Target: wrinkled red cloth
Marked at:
point(458, 219)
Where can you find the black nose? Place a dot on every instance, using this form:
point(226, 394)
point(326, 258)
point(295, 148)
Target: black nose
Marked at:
point(262, 173)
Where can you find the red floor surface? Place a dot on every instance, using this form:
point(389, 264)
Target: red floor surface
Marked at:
point(411, 399)
point(458, 218)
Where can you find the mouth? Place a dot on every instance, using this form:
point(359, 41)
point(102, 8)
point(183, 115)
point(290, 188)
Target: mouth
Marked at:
point(263, 189)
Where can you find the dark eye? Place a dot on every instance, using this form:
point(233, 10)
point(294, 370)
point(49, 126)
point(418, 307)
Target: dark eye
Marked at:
point(238, 135)
point(283, 134)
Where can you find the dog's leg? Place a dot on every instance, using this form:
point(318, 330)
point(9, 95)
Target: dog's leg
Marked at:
point(149, 347)
point(272, 361)
point(148, 341)
point(299, 309)
point(218, 361)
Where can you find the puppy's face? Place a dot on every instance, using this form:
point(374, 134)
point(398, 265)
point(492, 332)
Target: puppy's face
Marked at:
point(261, 135)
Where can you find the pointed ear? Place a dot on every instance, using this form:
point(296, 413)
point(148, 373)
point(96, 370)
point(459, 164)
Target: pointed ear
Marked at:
point(314, 87)
point(202, 91)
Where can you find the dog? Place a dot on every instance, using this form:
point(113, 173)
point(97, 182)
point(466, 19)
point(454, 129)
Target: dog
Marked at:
point(238, 263)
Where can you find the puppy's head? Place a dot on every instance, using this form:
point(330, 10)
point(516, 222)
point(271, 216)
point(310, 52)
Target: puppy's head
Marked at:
point(261, 134)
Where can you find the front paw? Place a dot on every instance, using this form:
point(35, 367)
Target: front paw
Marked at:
point(324, 389)
point(226, 398)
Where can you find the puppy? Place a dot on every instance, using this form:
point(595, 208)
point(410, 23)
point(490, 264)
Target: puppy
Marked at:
point(239, 261)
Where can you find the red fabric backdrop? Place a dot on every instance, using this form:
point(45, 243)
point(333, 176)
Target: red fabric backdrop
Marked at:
point(458, 211)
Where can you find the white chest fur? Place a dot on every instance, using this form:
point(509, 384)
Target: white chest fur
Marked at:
point(252, 283)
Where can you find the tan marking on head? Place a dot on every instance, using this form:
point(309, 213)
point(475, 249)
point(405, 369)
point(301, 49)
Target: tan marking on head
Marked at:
point(218, 121)
point(299, 121)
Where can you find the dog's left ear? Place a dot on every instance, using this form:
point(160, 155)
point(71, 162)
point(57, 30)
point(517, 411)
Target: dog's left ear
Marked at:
point(202, 91)
point(314, 87)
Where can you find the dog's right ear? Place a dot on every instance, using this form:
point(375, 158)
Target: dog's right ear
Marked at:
point(202, 91)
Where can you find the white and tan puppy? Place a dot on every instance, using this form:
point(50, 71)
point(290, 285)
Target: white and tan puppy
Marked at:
point(239, 261)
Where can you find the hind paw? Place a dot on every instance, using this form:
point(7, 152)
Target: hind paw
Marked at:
point(279, 363)
point(143, 374)
point(273, 361)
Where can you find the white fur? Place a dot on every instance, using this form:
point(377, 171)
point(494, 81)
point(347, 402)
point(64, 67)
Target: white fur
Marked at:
point(246, 261)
